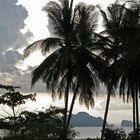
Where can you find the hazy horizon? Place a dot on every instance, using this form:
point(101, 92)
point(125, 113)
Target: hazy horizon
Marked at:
point(116, 110)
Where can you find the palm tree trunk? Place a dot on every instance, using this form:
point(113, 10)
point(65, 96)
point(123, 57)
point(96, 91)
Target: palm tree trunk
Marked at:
point(105, 115)
point(66, 103)
point(64, 135)
point(134, 121)
point(72, 105)
point(109, 92)
point(137, 114)
point(71, 109)
point(66, 110)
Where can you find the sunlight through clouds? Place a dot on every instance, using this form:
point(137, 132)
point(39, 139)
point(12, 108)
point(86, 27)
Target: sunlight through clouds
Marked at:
point(37, 24)
point(36, 21)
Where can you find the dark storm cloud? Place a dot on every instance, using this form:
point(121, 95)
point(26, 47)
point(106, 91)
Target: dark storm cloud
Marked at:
point(12, 18)
point(23, 79)
point(8, 61)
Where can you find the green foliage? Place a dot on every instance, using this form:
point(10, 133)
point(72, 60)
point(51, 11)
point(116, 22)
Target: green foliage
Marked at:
point(114, 134)
point(30, 125)
point(41, 125)
point(12, 99)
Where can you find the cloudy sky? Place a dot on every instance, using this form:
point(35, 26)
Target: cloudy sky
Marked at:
point(22, 22)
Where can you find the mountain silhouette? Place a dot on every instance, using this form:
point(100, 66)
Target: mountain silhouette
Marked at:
point(126, 123)
point(83, 119)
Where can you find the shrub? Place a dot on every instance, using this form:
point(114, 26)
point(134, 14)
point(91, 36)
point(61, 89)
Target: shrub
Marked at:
point(134, 135)
point(42, 125)
point(114, 134)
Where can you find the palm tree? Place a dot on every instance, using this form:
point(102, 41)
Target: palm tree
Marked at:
point(71, 67)
point(116, 21)
point(129, 71)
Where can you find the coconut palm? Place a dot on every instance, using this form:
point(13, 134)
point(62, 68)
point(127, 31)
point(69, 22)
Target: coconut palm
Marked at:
point(116, 21)
point(111, 48)
point(129, 70)
point(71, 67)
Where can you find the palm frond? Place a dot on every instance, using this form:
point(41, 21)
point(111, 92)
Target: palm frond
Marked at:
point(45, 66)
point(61, 15)
point(44, 45)
point(88, 81)
point(86, 23)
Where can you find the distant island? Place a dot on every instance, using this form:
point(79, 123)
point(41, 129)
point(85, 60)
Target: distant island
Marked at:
point(83, 119)
point(126, 123)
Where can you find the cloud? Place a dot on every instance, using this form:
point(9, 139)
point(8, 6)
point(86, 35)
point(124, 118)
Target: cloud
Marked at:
point(12, 21)
point(8, 61)
point(23, 79)
point(115, 104)
point(12, 17)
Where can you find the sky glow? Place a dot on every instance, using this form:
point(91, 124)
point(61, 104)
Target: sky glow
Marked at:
point(36, 22)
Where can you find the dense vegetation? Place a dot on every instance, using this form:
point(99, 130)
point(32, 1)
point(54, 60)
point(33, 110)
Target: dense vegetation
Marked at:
point(41, 125)
point(26, 125)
